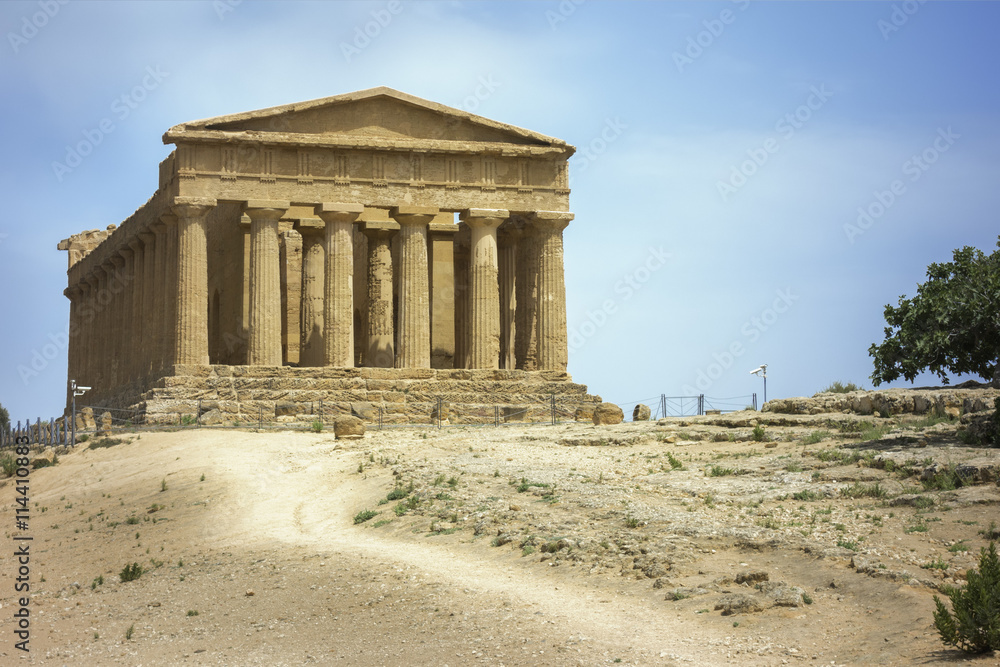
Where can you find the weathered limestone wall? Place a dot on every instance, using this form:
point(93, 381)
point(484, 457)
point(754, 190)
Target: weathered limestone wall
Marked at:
point(941, 400)
point(239, 393)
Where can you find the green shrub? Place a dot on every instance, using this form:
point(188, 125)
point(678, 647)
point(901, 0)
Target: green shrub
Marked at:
point(364, 515)
point(973, 625)
point(9, 465)
point(758, 434)
point(838, 387)
point(859, 490)
point(130, 572)
point(317, 426)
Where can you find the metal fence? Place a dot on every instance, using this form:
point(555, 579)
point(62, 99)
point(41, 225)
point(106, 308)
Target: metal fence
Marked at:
point(688, 406)
point(55, 431)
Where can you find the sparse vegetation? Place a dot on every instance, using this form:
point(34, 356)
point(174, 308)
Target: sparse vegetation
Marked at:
point(838, 387)
point(130, 572)
point(973, 625)
point(364, 515)
point(317, 426)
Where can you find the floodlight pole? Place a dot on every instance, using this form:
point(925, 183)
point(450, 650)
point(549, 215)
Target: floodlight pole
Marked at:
point(72, 415)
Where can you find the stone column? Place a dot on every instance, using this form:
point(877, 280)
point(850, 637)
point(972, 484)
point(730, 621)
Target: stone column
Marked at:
point(290, 278)
point(75, 295)
point(138, 274)
point(380, 350)
point(168, 329)
point(484, 286)
point(113, 329)
point(461, 252)
point(148, 302)
point(191, 330)
point(311, 348)
point(157, 323)
point(442, 277)
point(526, 296)
point(507, 250)
point(91, 359)
point(552, 344)
point(338, 284)
point(125, 352)
point(414, 342)
point(265, 283)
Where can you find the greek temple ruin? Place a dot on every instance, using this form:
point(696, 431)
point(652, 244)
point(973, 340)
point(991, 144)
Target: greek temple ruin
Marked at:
point(367, 251)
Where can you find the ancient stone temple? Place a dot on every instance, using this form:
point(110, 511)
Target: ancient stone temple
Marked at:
point(371, 249)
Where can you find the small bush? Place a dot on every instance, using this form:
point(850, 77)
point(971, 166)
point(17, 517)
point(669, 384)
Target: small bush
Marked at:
point(130, 632)
point(675, 463)
point(317, 426)
point(364, 515)
point(805, 495)
point(973, 625)
point(758, 433)
point(838, 387)
point(192, 612)
point(83, 437)
point(9, 465)
point(130, 572)
point(859, 490)
point(948, 479)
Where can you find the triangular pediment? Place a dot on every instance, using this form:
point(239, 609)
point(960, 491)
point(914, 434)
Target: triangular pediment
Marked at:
point(377, 114)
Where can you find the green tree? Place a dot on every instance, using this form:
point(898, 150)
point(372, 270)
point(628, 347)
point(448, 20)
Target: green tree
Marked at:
point(4, 418)
point(952, 325)
point(973, 625)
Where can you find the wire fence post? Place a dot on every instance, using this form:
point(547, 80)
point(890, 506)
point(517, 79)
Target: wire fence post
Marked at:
point(322, 417)
point(260, 417)
point(380, 417)
point(552, 403)
point(496, 416)
point(197, 419)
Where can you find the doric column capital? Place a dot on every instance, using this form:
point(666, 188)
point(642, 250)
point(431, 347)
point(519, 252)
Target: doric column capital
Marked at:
point(126, 251)
point(413, 215)
point(484, 217)
point(190, 207)
point(309, 226)
point(378, 228)
point(73, 292)
point(551, 220)
point(339, 211)
point(135, 243)
point(147, 238)
point(116, 262)
point(267, 209)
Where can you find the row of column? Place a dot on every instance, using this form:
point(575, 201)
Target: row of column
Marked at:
point(146, 307)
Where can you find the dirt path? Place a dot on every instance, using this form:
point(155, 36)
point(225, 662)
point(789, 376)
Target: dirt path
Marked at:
point(252, 556)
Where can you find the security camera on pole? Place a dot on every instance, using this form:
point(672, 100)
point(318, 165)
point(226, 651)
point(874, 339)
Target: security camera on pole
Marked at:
point(762, 372)
point(78, 390)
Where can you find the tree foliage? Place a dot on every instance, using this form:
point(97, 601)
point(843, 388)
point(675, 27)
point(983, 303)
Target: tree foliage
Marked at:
point(4, 418)
point(975, 625)
point(952, 325)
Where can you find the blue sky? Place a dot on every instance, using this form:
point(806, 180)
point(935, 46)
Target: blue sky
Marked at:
point(724, 152)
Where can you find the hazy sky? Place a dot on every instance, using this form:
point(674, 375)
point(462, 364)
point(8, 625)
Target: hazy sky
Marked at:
point(754, 181)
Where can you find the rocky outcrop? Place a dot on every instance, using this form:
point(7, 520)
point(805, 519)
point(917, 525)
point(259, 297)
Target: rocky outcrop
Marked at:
point(608, 413)
point(940, 400)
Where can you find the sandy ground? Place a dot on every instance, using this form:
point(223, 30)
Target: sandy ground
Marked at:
point(556, 545)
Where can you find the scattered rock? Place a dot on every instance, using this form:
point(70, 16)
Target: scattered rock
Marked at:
point(740, 603)
point(105, 427)
point(85, 419)
point(608, 414)
point(641, 413)
point(682, 592)
point(367, 411)
point(751, 577)
point(584, 413)
point(347, 426)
